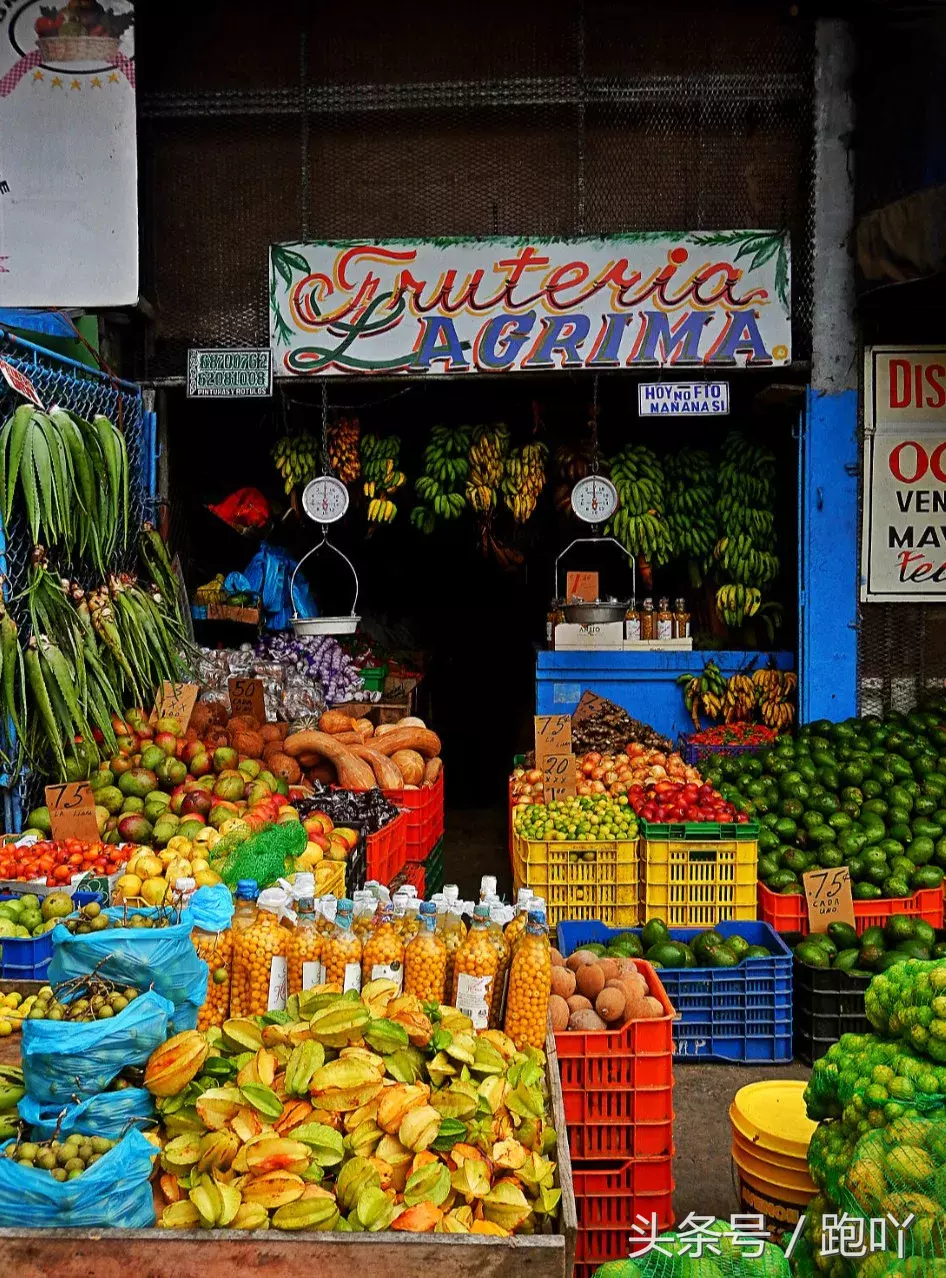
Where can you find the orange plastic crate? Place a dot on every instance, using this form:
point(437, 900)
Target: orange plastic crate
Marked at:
point(620, 1124)
point(610, 1198)
point(790, 913)
point(387, 850)
point(424, 810)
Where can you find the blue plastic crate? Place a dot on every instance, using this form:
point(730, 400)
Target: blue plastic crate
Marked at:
point(26, 958)
point(696, 752)
point(739, 1013)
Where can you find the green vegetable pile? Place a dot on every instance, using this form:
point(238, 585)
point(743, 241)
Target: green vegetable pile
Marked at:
point(866, 793)
point(711, 1252)
point(876, 950)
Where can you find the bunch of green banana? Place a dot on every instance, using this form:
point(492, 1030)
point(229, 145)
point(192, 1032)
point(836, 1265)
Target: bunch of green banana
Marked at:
point(381, 476)
point(441, 486)
point(72, 477)
point(703, 693)
point(745, 549)
point(488, 453)
point(524, 479)
point(640, 524)
point(691, 501)
point(12, 1091)
point(296, 459)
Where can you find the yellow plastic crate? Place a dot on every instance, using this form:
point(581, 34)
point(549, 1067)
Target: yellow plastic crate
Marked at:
point(581, 880)
point(691, 883)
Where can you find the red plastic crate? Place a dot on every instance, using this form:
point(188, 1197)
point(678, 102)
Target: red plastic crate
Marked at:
point(620, 1124)
point(387, 850)
point(424, 810)
point(413, 873)
point(610, 1197)
point(790, 913)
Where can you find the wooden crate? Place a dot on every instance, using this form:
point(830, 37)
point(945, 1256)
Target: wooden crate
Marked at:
point(219, 1253)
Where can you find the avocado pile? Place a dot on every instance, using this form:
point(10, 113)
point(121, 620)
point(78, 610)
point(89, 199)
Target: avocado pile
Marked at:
point(653, 943)
point(866, 793)
point(876, 949)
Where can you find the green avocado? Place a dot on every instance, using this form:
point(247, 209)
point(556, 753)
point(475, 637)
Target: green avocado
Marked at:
point(843, 935)
point(722, 956)
point(873, 936)
point(845, 960)
point(669, 954)
point(899, 928)
point(654, 932)
point(812, 954)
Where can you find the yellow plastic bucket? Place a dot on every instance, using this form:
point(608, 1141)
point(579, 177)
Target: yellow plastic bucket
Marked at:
point(771, 1131)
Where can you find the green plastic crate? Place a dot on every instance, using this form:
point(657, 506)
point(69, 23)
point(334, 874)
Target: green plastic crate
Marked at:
point(434, 870)
point(700, 831)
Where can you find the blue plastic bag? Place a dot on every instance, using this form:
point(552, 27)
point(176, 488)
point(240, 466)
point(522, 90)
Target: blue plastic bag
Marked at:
point(269, 573)
point(160, 958)
point(115, 1191)
point(109, 1114)
point(66, 1061)
point(211, 908)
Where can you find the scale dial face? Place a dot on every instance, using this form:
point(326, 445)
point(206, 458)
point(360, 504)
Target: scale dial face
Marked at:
point(594, 499)
point(325, 499)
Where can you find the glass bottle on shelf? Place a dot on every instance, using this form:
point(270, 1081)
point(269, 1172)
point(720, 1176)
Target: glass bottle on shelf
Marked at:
point(648, 622)
point(305, 950)
point(216, 949)
point(632, 623)
point(664, 621)
point(681, 620)
point(260, 948)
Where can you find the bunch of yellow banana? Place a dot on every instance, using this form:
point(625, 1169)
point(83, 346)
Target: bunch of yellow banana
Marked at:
point(523, 479)
point(739, 699)
point(704, 693)
point(735, 602)
point(487, 465)
point(775, 691)
point(382, 478)
point(296, 459)
point(343, 452)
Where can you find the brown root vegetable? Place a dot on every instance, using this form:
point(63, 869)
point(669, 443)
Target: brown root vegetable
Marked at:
point(586, 1020)
point(579, 958)
point(247, 743)
point(422, 740)
point(563, 982)
point(411, 765)
point(272, 732)
point(282, 765)
point(383, 729)
point(610, 1005)
point(433, 770)
point(411, 721)
point(590, 980)
point(353, 773)
point(334, 721)
point(651, 1007)
point(558, 1012)
point(271, 748)
point(313, 761)
point(244, 723)
point(386, 772)
point(625, 965)
point(578, 1003)
point(609, 967)
point(557, 959)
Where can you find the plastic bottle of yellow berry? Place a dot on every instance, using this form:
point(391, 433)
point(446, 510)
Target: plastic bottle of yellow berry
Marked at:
point(530, 984)
point(244, 916)
point(474, 971)
point(341, 952)
point(305, 950)
point(383, 955)
point(260, 946)
point(516, 928)
point(425, 959)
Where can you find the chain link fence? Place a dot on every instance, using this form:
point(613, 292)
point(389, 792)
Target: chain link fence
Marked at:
point(598, 117)
point(64, 383)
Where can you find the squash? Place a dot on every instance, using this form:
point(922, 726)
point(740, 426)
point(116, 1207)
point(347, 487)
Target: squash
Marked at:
point(382, 728)
point(422, 740)
point(411, 721)
point(365, 727)
point(411, 765)
point(387, 773)
point(353, 773)
point(334, 721)
point(433, 770)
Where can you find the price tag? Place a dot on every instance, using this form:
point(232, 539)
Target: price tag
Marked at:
point(553, 735)
point(558, 776)
point(246, 697)
point(581, 585)
point(175, 701)
point(590, 705)
point(829, 897)
point(72, 811)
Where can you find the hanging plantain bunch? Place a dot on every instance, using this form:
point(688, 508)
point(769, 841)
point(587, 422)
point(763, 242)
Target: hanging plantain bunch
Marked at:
point(441, 486)
point(640, 523)
point(524, 479)
point(745, 551)
point(72, 476)
point(691, 507)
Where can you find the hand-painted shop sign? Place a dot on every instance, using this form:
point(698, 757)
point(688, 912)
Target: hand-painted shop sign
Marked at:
point(683, 399)
point(903, 540)
point(229, 374)
point(652, 300)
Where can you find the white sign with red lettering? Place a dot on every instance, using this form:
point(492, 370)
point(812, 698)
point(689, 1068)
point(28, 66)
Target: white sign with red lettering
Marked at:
point(903, 540)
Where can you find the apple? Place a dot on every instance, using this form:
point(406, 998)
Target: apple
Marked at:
point(319, 821)
point(191, 750)
point(166, 741)
point(337, 851)
point(127, 744)
point(345, 835)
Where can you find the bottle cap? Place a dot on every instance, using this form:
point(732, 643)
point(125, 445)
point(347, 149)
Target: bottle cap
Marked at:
point(523, 895)
point(307, 904)
point(428, 908)
point(303, 885)
point(487, 885)
point(408, 889)
point(481, 911)
point(247, 890)
point(537, 918)
point(185, 886)
point(451, 892)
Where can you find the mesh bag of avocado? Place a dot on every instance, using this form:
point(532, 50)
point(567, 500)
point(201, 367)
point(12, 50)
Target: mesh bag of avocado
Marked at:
point(908, 1002)
point(898, 1176)
point(866, 1082)
point(808, 1260)
point(829, 1155)
point(716, 1251)
point(266, 856)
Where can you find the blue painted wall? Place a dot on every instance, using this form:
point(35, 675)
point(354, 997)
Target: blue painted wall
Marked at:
point(829, 557)
point(643, 682)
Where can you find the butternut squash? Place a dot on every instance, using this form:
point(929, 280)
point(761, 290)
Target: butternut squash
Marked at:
point(353, 773)
point(334, 721)
point(387, 773)
point(411, 765)
point(422, 740)
point(365, 727)
point(433, 770)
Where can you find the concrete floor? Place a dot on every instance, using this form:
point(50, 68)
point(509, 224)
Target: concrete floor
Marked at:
point(477, 844)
